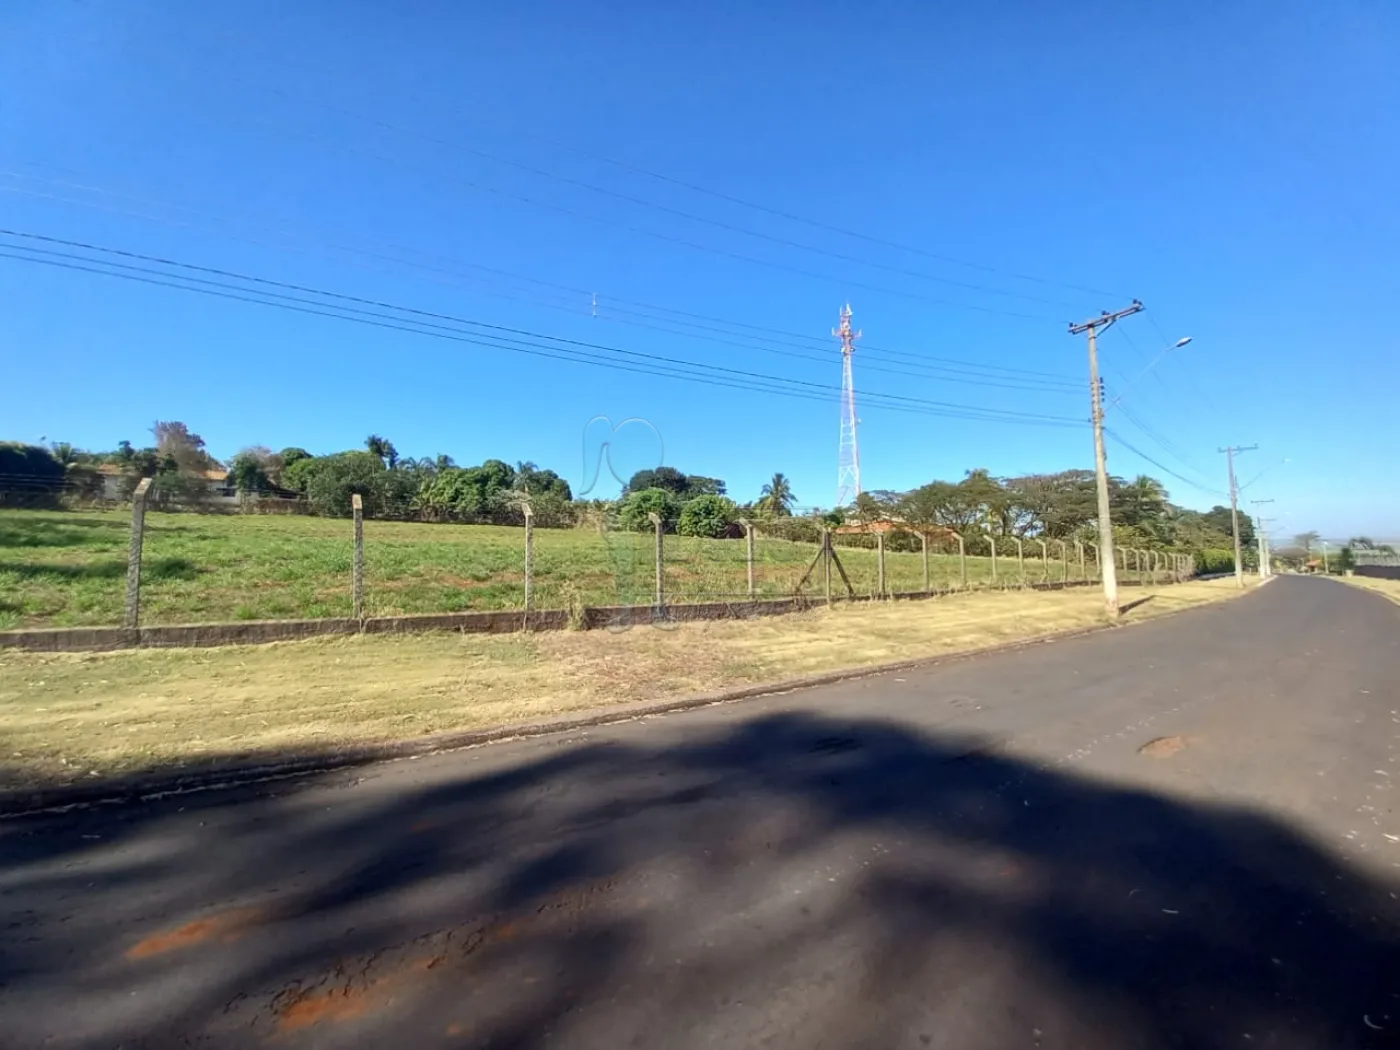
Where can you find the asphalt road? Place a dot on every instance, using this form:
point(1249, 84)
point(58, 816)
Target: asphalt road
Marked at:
point(1179, 834)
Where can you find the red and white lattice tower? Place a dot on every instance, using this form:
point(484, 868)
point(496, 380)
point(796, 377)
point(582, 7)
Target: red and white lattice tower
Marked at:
point(848, 472)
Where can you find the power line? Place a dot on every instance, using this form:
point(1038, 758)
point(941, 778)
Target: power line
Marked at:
point(695, 188)
point(501, 337)
point(1160, 466)
point(668, 210)
point(845, 282)
point(1162, 442)
point(647, 310)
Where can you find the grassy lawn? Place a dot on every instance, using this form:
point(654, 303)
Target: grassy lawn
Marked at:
point(65, 717)
point(67, 569)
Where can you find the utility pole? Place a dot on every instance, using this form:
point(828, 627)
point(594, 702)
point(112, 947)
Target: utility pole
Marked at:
point(1235, 507)
point(1261, 537)
point(1326, 566)
point(1107, 568)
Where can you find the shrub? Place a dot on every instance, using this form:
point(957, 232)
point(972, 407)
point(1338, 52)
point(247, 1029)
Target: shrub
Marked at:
point(709, 516)
point(634, 512)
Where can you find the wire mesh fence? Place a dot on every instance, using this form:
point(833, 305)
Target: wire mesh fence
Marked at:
point(64, 568)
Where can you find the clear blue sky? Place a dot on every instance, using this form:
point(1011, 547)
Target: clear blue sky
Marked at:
point(1232, 165)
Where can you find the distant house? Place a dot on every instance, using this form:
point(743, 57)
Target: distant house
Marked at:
point(221, 486)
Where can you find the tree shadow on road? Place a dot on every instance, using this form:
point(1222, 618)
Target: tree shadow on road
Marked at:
point(789, 881)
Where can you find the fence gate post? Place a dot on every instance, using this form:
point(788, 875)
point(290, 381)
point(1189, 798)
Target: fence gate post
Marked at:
point(826, 564)
point(357, 589)
point(962, 558)
point(749, 556)
point(529, 513)
point(880, 557)
point(132, 618)
point(928, 584)
point(659, 605)
point(1020, 559)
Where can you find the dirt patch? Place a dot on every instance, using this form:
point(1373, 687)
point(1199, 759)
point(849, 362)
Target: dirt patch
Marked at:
point(1163, 746)
point(225, 926)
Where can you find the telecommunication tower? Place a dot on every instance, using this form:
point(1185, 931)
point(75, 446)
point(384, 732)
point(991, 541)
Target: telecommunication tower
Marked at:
point(848, 471)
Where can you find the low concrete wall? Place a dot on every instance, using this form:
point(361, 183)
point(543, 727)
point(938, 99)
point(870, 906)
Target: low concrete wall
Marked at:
point(605, 617)
point(1379, 572)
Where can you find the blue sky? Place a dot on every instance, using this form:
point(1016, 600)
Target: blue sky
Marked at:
point(1231, 165)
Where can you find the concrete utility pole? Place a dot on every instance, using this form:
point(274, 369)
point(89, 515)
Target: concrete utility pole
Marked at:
point(1262, 539)
point(1108, 570)
point(1235, 507)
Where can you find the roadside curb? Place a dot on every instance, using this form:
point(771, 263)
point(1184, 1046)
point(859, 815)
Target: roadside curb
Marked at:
point(229, 776)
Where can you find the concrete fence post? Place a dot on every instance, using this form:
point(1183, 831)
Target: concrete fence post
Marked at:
point(529, 513)
point(749, 557)
point(1097, 567)
point(880, 559)
point(659, 604)
point(992, 542)
point(1064, 560)
point(1020, 559)
point(357, 578)
point(1044, 560)
point(928, 580)
point(1083, 569)
point(132, 619)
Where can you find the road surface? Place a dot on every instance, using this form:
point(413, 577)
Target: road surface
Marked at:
point(1179, 834)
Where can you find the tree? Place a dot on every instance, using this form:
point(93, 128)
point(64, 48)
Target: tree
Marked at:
point(697, 485)
point(777, 499)
point(1218, 518)
point(1141, 502)
point(176, 440)
point(634, 513)
point(668, 478)
point(1307, 540)
point(869, 508)
point(29, 475)
point(710, 516)
point(384, 449)
point(254, 469)
point(291, 455)
point(331, 481)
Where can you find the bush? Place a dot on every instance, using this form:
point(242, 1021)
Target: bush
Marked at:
point(708, 516)
point(29, 476)
point(331, 481)
point(1213, 559)
point(634, 512)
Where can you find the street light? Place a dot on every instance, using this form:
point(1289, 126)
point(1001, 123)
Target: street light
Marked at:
point(1150, 366)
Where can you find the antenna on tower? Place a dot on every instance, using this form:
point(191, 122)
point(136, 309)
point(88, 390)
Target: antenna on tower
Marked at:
point(848, 470)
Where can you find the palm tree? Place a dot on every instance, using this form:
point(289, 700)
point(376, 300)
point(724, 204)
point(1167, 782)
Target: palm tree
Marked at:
point(384, 449)
point(1147, 502)
point(777, 498)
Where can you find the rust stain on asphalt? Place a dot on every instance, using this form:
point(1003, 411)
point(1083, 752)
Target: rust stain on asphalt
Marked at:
point(344, 1004)
point(226, 925)
point(1162, 747)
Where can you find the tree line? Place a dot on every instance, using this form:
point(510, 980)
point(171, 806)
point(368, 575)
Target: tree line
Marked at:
point(1059, 506)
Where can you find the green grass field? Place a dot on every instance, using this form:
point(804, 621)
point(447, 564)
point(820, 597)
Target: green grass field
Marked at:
point(68, 568)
